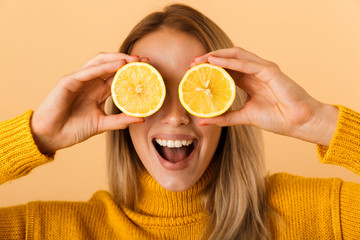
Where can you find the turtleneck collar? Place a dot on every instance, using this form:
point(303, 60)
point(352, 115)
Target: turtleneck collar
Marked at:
point(156, 201)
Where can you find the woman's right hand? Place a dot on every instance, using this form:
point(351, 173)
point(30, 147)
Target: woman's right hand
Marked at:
point(275, 102)
point(74, 109)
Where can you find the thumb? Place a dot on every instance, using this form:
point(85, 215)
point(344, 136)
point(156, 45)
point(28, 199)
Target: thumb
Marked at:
point(227, 119)
point(118, 121)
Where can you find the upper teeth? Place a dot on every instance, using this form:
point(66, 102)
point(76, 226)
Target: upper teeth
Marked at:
point(173, 143)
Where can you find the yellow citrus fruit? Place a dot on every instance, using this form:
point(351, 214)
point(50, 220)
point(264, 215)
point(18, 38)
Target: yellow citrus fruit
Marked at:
point(207, 90)
point(138, 89)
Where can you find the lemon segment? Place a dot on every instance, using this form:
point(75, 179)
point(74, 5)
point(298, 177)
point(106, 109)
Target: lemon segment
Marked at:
point(207, 90)
point(138, 89)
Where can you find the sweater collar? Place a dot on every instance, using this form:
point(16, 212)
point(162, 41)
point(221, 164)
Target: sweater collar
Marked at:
point(158, 202)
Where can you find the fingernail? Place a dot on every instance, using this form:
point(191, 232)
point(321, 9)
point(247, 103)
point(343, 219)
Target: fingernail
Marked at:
point(203, 124)
point(192, 62)
point(134, 56)
point(196, 57)
point(211, 55)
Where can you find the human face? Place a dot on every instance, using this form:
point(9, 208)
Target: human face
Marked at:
point(179, 168)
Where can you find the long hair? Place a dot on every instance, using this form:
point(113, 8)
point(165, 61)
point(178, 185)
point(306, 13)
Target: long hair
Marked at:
point(236, 196)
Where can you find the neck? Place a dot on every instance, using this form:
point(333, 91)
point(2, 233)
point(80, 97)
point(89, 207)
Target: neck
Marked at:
point(159, 202)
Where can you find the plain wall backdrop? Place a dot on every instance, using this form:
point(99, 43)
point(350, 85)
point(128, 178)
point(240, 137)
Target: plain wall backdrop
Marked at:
point(316, 43)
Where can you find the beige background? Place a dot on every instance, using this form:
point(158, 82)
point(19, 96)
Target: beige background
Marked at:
point(314, 42)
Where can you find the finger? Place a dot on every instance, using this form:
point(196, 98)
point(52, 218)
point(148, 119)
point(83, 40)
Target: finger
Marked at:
point(118, 121)
point(199, 59)
point(107, 76)
point(110, 57)
point(145, 59)
point(235, 52)
point(240, 65)
point(109, 81)
point(227, 119)
point(76, 80)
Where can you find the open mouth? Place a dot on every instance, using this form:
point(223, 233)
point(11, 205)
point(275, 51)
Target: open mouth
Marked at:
point(174, 151)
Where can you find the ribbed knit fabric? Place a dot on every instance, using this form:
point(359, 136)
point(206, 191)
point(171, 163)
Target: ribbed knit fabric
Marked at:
point(345, 143)
point(305, 208)
point(18, 152)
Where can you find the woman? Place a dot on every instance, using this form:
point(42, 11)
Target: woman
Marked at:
point(219, 189)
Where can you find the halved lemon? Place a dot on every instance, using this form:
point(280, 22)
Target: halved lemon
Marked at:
point(207, 90)
point(138, 89)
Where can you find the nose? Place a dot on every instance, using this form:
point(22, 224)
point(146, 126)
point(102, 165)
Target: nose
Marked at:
point(173, 113)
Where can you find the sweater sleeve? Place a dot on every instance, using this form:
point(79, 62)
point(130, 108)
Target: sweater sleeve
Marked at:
point(313, 208)
point(349, 210)
point(344, 148)
point(18, 151)
point(13, 222)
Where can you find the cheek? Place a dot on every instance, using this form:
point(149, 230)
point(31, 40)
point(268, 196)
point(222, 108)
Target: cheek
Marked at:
point(134, 132)
point(211, 137)
point(138, 134)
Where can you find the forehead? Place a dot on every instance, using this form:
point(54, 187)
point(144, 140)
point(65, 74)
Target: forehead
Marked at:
point(169, 51)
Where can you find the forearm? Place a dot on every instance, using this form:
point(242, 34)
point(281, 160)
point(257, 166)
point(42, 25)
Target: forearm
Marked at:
point(18, 151)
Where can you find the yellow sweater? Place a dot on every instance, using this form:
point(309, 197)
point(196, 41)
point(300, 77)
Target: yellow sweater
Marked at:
point(308, 208)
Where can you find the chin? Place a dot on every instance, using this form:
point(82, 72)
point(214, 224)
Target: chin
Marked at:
point(174, 184)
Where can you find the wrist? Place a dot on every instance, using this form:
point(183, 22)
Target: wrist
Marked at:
point(321, 128)
point(39, 139)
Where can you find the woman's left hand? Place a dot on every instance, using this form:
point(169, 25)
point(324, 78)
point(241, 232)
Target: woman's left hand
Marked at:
point(275, 102)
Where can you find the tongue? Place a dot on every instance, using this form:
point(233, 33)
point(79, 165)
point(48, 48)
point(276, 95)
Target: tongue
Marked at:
point(175, 154)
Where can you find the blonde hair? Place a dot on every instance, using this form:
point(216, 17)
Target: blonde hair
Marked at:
point(236, 197)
